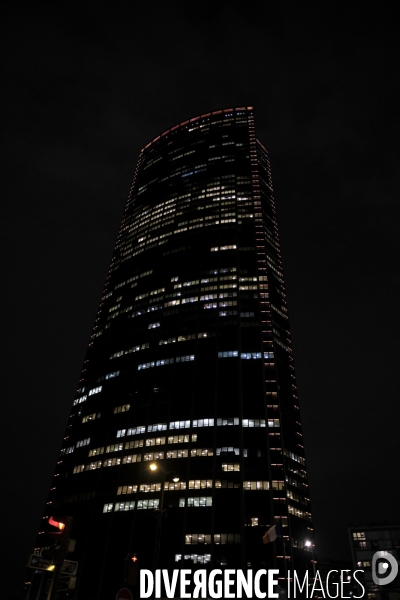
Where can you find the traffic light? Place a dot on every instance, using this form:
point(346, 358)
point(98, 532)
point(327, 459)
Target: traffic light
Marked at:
point(131, 569)
point(61, 536)
point(61, 547)
point(64, 525)
point(58, 522)
point(53, 551)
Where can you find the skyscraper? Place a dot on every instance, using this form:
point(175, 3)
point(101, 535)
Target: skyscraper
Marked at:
point(189, 369)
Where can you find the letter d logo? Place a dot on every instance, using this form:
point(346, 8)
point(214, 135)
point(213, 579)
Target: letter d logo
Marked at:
point(384, 568)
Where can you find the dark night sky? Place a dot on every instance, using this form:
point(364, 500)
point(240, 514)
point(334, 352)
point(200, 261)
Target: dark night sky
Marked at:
point(83, 91)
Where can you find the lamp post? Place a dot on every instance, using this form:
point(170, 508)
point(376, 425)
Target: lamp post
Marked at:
point(309, 544)
point(157, 541)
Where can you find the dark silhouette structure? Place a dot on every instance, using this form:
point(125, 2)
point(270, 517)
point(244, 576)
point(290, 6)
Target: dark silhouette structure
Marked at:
point(189, 368)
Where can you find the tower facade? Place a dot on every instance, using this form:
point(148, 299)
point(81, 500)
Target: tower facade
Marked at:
point(189, 370)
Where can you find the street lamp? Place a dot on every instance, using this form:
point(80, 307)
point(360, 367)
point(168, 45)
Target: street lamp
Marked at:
point(157, 542)
point(309, 544)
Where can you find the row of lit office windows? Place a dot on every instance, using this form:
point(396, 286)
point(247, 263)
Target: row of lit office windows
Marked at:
point(297, 497)
point(166, 361)
point(218, 538)
point(298, 512)
point(197, 281)
point(158, 241)
point(130, 350)
point(149, 456)
point(294, 456)
point(199, 484)
point(193, 502)
point(131, 279)
point(144, 346)
point(91, 417)
point(186, 424)
point(182, 424)
point(123, 506)
point(201, 559)
point(227, 203)
point(224, 354)
point(171, 454)
point(160, 441)
point(133, 249)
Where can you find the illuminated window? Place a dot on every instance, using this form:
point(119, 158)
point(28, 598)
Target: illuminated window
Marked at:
point(96, 451)
point(114, 448)
point(80, 400)
point(200, 484)
point(292, 455)
point(122, 506)
point(231, 421)
point(256, 485)
point(150, 487)
point(179, 439)
point(111, 462)
point(301, 514)
point(91, 417)
point(177, 453)
point(198, 538)
point(78, 469)
point(133, 458)
point(157, 427)
point(122, 408)
point(134, 444)
point(153, 456)
point(202, 559)
point(278, 485)
point(129, 351)
point(84, 442)
point(227, 450)
point(172, 485)
point(166, 361)
point(219, 538)
point(179, 424)
point(94, 465)
point(127, 489)
point(95, 391)
point(196, 501)
point(201, 452)
point(136, 430)
point(230, 467)
point(155, 441)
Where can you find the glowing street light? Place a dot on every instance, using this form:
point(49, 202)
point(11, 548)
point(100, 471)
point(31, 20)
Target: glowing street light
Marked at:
point(156, 467)
point(157, 541)
point(309, 544)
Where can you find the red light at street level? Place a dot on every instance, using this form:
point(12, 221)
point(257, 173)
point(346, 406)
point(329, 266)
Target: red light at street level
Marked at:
point(56, 524)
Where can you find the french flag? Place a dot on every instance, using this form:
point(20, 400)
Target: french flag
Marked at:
point(272, 533)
